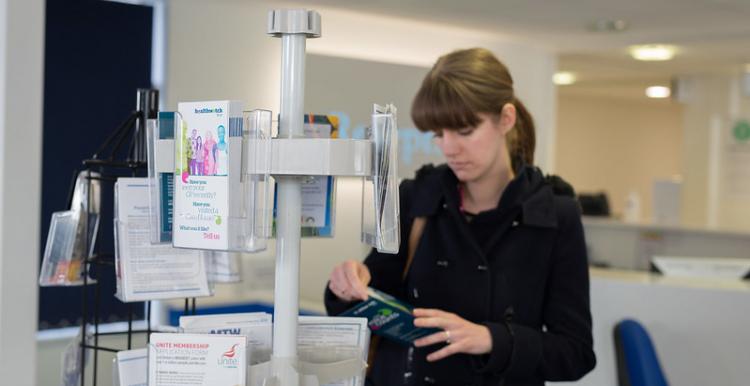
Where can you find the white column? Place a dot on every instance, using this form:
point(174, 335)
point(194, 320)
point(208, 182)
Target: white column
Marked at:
point(21, 85)
point(286, 294)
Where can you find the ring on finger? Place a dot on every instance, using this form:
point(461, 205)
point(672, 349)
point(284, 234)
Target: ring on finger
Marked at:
point(447, 337)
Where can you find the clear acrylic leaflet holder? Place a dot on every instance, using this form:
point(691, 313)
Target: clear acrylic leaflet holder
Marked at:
point(316, 366)
point(146, 271)
point(250, 230)
point(251, 185)
point(161, 175)
point(380, 198)
point(72, 235)
point(223, 267)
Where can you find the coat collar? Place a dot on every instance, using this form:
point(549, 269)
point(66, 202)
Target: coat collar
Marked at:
point(435, 188)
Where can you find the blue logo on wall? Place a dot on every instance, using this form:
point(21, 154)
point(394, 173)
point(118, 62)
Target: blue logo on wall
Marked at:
point(411, 141)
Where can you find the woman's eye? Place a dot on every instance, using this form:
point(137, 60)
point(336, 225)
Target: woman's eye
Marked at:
point(466, 132)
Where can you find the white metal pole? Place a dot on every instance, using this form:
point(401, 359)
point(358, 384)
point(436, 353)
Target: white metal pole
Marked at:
point(286, 295)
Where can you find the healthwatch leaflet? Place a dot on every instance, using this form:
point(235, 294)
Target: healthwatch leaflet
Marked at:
point(202, 191)
point(389, 317)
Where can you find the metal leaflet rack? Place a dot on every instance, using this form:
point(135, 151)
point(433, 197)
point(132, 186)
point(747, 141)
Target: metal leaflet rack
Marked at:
point(103, 168)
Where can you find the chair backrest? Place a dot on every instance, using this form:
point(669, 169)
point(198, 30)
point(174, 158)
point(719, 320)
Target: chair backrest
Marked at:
point(637, 362)
point(594, 204)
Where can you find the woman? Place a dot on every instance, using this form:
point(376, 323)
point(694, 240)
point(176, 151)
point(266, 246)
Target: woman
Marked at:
point(500, 266)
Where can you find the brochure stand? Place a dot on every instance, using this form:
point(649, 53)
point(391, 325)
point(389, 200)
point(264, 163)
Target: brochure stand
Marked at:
point(104, 167)
point(255, 161)
point(289, 159)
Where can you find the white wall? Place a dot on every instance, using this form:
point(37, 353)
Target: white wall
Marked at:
point(716, 190)
point(416, 43)
point(219, 50)
point(21, 74)
point(618, 145)
point(348, 88)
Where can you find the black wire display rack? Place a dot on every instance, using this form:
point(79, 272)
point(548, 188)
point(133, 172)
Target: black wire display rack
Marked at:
point(106, 169)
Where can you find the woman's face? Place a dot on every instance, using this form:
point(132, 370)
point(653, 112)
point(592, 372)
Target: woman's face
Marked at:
point(476, 152)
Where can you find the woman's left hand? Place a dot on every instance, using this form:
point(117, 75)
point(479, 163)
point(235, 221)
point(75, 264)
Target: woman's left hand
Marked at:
point(461, 335)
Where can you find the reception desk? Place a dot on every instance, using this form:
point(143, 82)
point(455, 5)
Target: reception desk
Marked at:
point(630, 246)
point(699, 326)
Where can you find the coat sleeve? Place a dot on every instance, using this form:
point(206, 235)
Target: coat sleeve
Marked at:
point(563, 351)
point(385, 268)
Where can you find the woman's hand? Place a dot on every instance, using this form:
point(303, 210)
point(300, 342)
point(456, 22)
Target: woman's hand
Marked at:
point(349, 281)
point(461, 335)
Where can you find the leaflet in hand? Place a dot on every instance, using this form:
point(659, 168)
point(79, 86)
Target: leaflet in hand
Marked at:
point(389, 317)
point(148, 271)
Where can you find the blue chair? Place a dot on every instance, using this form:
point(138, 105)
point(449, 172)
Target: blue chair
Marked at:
point(637, 362)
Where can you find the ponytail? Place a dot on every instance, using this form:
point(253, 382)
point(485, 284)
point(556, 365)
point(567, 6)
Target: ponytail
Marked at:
point(522, 140)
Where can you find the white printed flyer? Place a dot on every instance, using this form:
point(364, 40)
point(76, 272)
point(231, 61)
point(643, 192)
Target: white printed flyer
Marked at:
point(202, 163)
point(257, 327)
point(148, 271)
point(196, 360)
point(131, 367)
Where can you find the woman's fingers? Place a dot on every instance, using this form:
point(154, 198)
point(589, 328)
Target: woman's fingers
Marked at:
point(420, 312)
point(442, 322)
point(364, 274)
point(340, 285)
point(338, 278)
point(438, 337)
point(349, 280)
point(351, 272)
point(453, 348)
point(460, 335)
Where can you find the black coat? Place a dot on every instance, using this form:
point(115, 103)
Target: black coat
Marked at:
point(528, 284)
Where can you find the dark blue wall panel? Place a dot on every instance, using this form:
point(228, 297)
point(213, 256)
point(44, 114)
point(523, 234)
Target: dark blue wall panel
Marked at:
point(97, 54)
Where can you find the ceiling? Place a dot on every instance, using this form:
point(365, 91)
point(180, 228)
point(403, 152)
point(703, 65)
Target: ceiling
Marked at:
point(711, 35)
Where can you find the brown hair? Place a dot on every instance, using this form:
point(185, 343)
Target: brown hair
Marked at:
point(464, 83)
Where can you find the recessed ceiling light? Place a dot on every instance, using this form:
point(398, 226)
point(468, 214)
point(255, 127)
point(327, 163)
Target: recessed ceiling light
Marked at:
point(653, 52)
point(564, 78)
point(658, 92)
point(605, 25)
